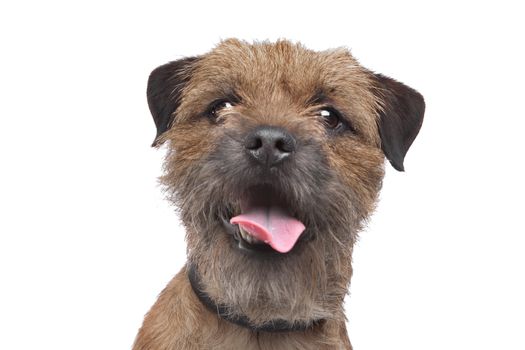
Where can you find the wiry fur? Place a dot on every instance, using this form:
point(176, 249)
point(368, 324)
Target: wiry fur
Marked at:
point(332, 185)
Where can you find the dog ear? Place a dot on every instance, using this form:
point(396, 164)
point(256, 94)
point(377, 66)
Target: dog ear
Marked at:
point(165, 86)
point(400, 119)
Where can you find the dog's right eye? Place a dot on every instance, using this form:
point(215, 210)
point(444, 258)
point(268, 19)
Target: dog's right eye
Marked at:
point(217, 106)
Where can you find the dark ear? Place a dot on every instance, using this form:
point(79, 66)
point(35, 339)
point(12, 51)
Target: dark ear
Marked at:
point(165, 85)
point(400, 120)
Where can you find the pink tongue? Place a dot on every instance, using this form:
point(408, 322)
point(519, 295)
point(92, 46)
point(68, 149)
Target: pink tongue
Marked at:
point(271, 225)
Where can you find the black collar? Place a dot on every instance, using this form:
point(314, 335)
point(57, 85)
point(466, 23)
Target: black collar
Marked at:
point(223, 311)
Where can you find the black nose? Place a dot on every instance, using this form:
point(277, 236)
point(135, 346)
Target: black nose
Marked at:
point(269, 145)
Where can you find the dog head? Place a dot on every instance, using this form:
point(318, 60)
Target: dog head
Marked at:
point(275, 160)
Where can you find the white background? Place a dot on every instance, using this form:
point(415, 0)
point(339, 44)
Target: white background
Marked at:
point(87, 241)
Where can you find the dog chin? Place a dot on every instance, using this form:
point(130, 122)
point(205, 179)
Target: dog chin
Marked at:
point(267, 285)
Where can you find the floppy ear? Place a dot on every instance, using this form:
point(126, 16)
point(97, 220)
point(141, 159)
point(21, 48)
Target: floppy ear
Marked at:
point(400, 119)
point(165, 85)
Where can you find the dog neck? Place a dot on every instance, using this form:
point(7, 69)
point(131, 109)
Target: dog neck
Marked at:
point(224, 312)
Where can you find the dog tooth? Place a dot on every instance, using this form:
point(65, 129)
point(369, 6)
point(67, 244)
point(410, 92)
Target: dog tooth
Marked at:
point(244, 234)
point(248, 237)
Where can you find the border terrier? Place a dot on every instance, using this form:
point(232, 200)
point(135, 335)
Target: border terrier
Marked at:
point(275, 157)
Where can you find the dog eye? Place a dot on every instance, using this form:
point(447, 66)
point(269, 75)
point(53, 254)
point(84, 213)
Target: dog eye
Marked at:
point(334, 121)
point(331, 118)
point(217, 106)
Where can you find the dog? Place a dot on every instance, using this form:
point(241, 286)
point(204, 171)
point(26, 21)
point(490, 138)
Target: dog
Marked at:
point(275, 158)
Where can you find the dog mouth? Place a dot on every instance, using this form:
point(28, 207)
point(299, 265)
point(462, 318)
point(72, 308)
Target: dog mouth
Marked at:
point(266, 221)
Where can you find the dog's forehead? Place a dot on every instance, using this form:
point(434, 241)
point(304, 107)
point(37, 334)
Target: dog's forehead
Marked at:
point(268, 67)
point(257, 70)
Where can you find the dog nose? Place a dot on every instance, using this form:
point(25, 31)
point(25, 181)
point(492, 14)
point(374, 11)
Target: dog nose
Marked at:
point(269, 145)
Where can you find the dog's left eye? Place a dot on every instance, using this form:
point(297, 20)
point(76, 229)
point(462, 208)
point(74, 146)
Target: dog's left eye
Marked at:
point(217, 106)
point(334, 121)
point(331, 118)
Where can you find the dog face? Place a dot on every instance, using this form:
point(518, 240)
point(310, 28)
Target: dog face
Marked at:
point(275, 159)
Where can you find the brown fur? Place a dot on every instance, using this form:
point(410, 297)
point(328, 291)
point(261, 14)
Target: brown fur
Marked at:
point(333, 182)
